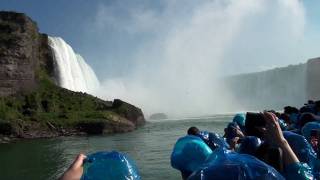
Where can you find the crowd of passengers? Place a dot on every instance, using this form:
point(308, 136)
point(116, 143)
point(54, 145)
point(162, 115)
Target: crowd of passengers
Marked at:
point(288, 141)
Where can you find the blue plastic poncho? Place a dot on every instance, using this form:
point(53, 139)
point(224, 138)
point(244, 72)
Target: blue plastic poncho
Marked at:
point(301, 148)
point(227, 165)
point(306, 132)
point(231, 131)
point(308, 127)
point(109, 166)
point(294, 117)
point(213, 140)
point(240, 119)
point(189, 153)
point(283, 124)
point(249, 145)
point(298, 171)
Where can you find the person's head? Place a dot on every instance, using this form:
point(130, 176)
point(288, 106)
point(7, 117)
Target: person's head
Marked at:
point(193, 131)
point(307, 129)
point(289, 110)
point(274, 112)
point(305, 118)
point(307, 109)
point(310, 102)
point(285, 118)
point(232, 131)
point(249, 145)
point(240, 119)
point(317, 106)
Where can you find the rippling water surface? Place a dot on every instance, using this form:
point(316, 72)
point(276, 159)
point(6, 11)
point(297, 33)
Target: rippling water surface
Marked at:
point(150, 147)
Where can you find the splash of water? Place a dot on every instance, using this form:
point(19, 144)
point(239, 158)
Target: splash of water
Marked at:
point(178, 71)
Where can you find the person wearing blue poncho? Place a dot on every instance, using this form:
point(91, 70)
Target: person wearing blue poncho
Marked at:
point(227, 165)
point(300, 147)
point(233, 134)
point(240, 119)
point(317, 108)
point(272, 134)
point(307, 129)
point(224, 164)
point(292, 112)
point(213, 140)
point(102, 165)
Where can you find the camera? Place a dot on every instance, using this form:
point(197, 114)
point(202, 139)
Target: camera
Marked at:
point(254, 121)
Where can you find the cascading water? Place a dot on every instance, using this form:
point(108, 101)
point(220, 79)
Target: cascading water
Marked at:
point(73, 72)
point(272, 89)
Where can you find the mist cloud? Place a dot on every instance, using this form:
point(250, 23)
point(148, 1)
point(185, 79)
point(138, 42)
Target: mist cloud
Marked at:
point(184, 47)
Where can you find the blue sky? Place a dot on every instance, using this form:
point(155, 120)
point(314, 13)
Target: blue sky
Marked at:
point(110, 51)
point(70, 19)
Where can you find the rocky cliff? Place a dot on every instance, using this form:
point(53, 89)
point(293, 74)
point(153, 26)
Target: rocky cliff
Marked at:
point(313, 79)
point(32, 105)
point(276, 88)
point(22, 51)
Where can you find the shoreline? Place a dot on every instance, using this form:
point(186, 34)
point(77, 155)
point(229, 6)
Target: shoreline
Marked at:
point(36, 130)
point(6, 139)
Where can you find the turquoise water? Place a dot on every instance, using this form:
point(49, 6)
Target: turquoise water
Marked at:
point(150, 147)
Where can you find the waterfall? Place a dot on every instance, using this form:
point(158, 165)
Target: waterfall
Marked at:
point(73, 71)
point(271, 89)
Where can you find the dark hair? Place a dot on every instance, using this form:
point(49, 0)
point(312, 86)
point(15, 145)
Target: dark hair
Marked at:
point(275, 113)
point(306, 109)
point(317, 103)
point(193, 131)
point(310, 102)
point(290, 110)
point(305, 118)
point(285, 117)
point(254, 120)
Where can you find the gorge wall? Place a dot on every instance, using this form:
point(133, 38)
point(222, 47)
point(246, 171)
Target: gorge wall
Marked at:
point(276, 88)
point(313, 79)
point(23, 50)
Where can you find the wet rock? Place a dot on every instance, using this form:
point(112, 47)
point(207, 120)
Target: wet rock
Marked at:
point(5, 127)
point(129, 111)
point(158, 116)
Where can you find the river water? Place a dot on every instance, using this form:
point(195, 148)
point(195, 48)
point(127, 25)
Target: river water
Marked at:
point(150, 147)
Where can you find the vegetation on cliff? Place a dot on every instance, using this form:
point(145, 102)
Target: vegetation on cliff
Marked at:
point(55, 109)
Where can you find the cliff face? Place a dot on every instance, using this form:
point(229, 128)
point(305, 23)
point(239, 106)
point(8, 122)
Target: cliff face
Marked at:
point(22, 51)
point(270, 89)
point(32, 105)
point(276, 88)
point(130, 112)
point(313, 79)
